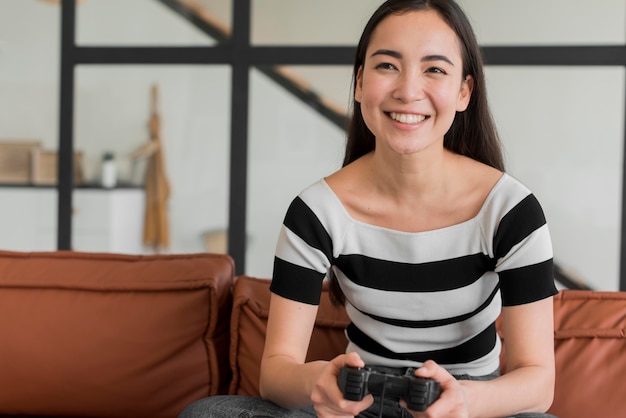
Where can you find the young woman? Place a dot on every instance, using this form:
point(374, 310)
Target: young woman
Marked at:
point(424, 238)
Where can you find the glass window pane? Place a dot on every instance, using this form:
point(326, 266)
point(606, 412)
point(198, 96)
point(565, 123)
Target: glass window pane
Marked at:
point(291, 146)
point(320, 22)
point(554, 22)
point(29, 77)
point(331, 84)
point(562, 129)
point(150, 22)
point(113, 111)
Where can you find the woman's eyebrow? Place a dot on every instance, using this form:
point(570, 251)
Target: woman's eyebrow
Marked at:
point(390, 52)
point(398, 55)
point(429, 58)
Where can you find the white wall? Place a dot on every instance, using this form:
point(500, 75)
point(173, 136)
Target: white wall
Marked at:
point(552, 22)
point(562, 128)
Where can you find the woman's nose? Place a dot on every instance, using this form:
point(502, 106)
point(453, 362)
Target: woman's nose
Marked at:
point(409, 88)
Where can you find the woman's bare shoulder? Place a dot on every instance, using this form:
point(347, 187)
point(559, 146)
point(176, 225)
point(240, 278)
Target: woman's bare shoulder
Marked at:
point(475, 181)
point(347, 178)
point(479, 175)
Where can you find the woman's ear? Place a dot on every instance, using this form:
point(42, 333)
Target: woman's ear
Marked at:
point(358, 85)
point(465, 94)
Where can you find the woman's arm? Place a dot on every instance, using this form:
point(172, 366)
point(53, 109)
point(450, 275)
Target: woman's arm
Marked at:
point(285, 379)
point(527, 386)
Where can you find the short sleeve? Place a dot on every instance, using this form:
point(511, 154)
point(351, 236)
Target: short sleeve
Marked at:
point(523, 252)
point(303, 255)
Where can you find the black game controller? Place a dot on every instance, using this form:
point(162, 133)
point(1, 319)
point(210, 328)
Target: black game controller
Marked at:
point(418, 392)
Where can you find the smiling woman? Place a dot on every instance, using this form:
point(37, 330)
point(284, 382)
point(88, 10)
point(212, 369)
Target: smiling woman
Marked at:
point(423, 237)
point(480, 139)
point(413, 73)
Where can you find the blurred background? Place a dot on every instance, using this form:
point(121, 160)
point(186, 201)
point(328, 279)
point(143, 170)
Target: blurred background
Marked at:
point(200, 120)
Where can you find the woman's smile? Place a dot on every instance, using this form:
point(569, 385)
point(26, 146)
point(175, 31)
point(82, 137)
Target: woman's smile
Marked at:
point(407, 118)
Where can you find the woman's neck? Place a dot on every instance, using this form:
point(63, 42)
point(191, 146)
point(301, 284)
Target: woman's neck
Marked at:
point(420, 174)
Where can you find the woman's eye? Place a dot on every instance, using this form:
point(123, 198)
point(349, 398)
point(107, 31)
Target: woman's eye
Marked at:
point(385, 66)
point(435, 70)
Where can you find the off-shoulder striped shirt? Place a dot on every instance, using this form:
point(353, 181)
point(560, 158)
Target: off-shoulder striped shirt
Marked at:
point(425, 295)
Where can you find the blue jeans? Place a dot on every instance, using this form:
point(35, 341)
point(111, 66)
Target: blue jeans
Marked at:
point(251, 407)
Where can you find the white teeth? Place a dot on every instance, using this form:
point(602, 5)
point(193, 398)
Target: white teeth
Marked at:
point(407, 118)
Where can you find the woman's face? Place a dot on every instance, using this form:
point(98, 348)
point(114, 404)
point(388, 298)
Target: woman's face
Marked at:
point(411, 83)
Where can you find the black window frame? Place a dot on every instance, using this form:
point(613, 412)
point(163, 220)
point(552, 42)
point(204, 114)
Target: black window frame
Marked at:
point(241, 55)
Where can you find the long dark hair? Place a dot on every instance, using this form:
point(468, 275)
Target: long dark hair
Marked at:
point(473, 132)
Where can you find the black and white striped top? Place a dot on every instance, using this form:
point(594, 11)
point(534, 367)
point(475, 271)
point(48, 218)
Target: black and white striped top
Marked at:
point(426, 295)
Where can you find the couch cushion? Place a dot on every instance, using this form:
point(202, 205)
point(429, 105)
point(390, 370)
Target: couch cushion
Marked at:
point(251, 299)
point(112, 335)
point(590, 350)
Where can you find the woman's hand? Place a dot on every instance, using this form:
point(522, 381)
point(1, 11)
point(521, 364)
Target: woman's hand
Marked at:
point(326, 395)
point(452, 402)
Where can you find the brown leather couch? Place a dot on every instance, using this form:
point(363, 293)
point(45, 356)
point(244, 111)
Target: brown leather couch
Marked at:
point(106, 335)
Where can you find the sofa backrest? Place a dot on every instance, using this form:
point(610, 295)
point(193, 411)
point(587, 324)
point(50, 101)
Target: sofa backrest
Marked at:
point(590, 346)
point(590, 350)
point(112, 335)
point(109, 335)
point(251, 300)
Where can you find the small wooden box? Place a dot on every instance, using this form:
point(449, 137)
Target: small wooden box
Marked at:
point(16, 161)
point(45, 167)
